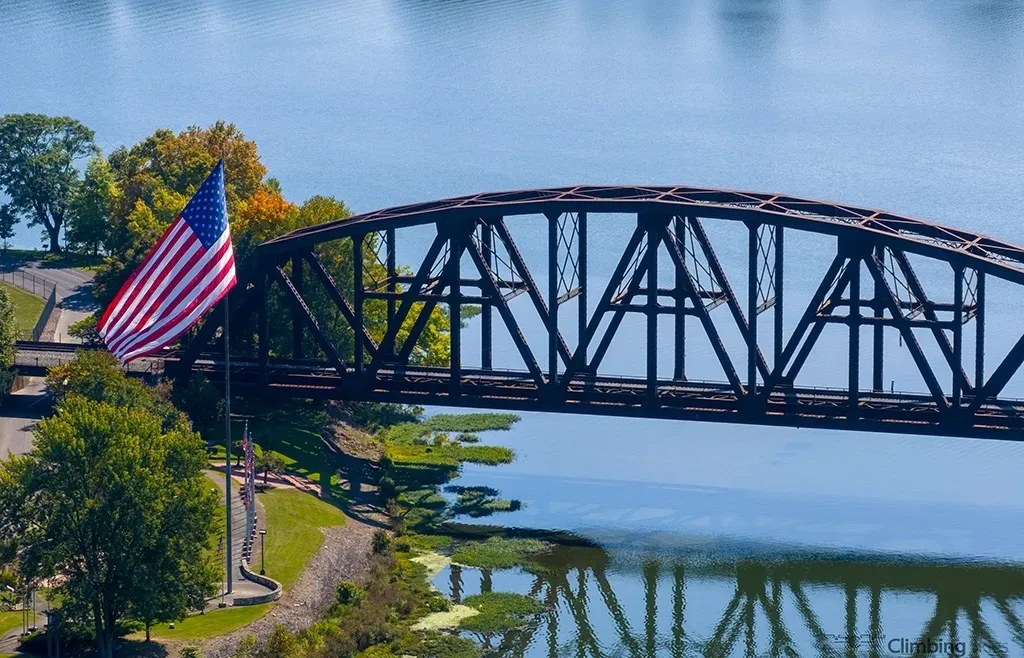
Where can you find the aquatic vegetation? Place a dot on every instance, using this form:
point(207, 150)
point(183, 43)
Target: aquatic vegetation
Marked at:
point(499, 612)
point(471, 422)
point(499, 552)
point(451, 618)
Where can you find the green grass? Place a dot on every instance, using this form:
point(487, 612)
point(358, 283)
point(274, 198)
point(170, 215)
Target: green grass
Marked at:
point(9, 621)
point(27, 309)
point(499, 553)
point(499, 611)
point(294, 522)
point(216, 622)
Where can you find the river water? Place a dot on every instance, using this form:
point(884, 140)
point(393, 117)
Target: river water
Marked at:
point(911, 106)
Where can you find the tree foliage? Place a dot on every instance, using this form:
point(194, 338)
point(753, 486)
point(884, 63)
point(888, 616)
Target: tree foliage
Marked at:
point(111, 503)
point(91, 206)
point(37, 167)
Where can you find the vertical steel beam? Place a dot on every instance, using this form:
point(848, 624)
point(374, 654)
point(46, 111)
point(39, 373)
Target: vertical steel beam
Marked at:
point(552, 295)
point(878, 349)
point(297, 351)
point(958, 335)
point(486, 330)
point(679, 371)
point(652, 308)
point(778, 287)
point(455, 242)
point(752, 244)
point(392, 273)
point(979, 333)
point(357, 298)
point(263, 333)
point(854, 318)
point(581, 224)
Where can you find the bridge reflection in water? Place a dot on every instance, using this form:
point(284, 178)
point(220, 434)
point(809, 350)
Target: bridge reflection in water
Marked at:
point(694, 603)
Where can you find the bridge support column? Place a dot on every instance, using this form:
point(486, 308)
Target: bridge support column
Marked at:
point(357, 299)
point(878, 349)
point(581, 219)
point(854, 319)
point(979, 333)
point(958, 335)
point(679, 371)
point(297, 323)
point(553, 296)
point(653, 243)
point(752, 275)
point(455, 246)
point(778, 287)
point(263, 335)
point(486, 316)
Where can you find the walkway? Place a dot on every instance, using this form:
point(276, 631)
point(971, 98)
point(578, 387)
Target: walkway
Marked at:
point(242, 587)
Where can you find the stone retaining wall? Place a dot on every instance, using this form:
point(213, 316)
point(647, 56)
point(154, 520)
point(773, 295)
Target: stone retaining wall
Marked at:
point(274, 586)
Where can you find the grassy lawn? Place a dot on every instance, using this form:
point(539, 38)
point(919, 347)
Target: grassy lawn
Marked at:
point(27, 309)
point(294, 520)
point(216, 622)
point(9, 621)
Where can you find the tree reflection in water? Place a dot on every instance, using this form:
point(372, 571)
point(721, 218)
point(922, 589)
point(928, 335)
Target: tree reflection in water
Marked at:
point(754, 602)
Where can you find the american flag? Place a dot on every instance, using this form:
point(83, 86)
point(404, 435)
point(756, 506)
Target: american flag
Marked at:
point(187, 272)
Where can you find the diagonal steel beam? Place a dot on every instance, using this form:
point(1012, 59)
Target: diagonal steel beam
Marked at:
point(531, 288)
point(723, 282)
point(824, 311)
point(339, 299)
point(1000, 378)
point(914, 283)
point(778, 372)
point(454, 254)
point(300, 307)
point(624, 299)
point(240, 302)
point(387, 344)
point(702, 313)
point(904, 327)
point(491, 289)
point(603, 305)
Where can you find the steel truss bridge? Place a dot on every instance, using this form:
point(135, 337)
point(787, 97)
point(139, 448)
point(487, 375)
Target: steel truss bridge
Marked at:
point(668, 268)
point(784, 605)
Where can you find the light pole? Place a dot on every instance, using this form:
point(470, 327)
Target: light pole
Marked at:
point(263, 554)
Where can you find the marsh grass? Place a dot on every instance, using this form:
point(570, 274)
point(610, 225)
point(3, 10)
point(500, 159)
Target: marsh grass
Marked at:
point(499, 553)
point(499, 612)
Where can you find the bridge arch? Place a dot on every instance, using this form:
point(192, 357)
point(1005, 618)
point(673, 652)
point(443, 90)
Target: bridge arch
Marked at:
point(473, 259)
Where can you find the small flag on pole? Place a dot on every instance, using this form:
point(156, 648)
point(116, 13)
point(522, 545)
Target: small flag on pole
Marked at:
point(186, 273)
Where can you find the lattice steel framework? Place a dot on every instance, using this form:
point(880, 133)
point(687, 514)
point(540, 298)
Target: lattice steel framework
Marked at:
point(870, 286)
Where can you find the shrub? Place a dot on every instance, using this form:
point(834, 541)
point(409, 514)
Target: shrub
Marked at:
point(190, 651)
point(468, 437)
point(349, 593)
point(381, 543)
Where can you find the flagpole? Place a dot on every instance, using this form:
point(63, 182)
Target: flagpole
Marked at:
point(227, 427)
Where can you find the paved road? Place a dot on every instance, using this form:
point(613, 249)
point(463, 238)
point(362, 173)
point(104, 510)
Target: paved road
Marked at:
point(74, 294)
point(21, 411)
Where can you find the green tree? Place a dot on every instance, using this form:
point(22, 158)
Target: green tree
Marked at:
point(37, 167)
point(8, 334)
point(115, 509)
point(8, 220)
point(89, 220)
point(270, 462)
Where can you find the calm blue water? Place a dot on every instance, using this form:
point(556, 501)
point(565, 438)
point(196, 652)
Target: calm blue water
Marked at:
point(911, 106)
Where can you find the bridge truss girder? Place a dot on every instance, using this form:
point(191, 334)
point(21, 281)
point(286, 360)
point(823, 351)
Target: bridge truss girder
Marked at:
point(473, 259)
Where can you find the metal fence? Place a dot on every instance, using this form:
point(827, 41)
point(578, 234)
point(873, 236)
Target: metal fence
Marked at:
point(29, 282)
point(40, 287)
